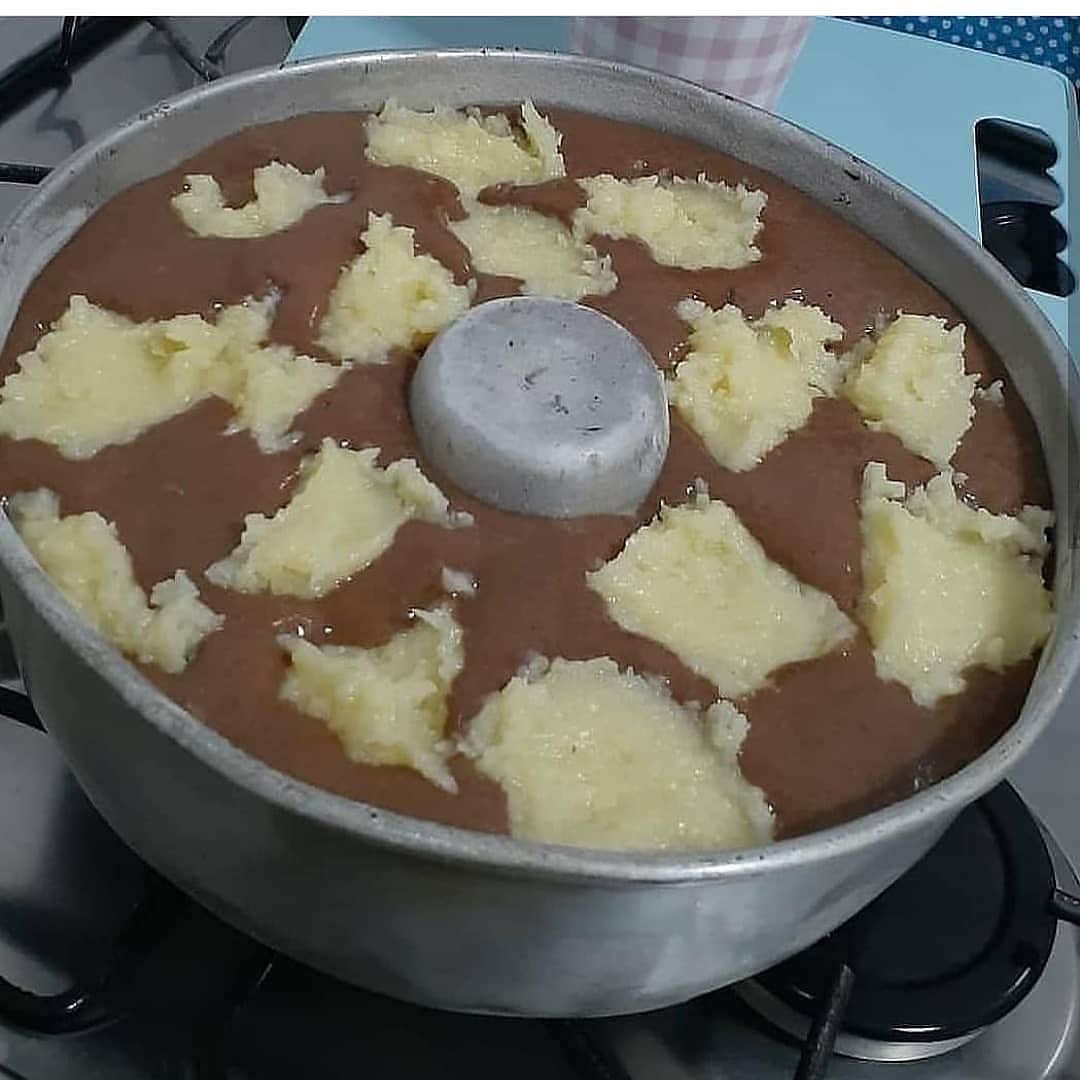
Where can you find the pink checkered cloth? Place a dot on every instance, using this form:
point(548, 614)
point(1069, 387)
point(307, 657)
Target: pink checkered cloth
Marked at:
point(748, 57)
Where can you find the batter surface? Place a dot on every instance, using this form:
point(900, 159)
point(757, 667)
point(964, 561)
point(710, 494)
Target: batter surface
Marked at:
point(828, 739)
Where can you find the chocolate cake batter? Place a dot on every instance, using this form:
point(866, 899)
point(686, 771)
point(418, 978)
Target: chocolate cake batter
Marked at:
point(827, 741)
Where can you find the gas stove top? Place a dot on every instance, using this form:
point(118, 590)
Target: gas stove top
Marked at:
point(130, 979)
point(138, 982)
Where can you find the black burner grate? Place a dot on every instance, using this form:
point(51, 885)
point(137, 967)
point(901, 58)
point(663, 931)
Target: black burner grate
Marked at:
point(953, 946)
point(80, 39)
point(50, 66)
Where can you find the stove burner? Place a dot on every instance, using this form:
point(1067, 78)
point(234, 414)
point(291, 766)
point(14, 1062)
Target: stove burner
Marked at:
point(795, 1023)
point(953, 946)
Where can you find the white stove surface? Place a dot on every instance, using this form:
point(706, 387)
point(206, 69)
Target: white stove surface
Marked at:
point(66, 883)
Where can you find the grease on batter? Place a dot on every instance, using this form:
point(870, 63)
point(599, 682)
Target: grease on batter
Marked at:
point(97, 379)
point(342, 516)
point(283, 195)
point(458, 582)
point(539, 250)
point(471, 150)
point(603, 758)
point(387, 705)
point(697, 581)
point(390, 297)
point(693, 224)
point(746, 385)
point(86, 561)
point(947, 587)
point(910, 380)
